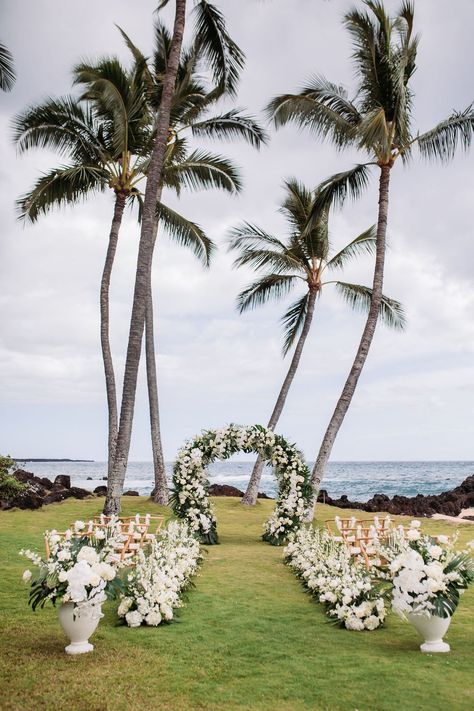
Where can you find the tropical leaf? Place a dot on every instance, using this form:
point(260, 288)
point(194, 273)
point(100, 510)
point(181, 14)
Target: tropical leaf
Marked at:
point(443, 140)
point(61, 186)
point(223, 56)
point(363, 244)
point(250, 236)
point(293, 321)
point(229, 126)
point(359, 298)
point(268, 287)
point(334, 191)
point(186, 233)
point(7, 69)
point(203, 170)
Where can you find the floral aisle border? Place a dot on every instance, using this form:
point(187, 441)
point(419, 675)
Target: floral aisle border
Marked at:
point(342, 584)
point(154, 588)
point(190, 496)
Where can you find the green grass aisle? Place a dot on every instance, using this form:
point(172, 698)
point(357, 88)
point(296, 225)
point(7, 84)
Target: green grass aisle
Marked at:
point(249, 638)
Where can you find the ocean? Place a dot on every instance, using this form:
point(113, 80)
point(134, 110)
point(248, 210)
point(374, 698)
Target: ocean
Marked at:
point(359, 480)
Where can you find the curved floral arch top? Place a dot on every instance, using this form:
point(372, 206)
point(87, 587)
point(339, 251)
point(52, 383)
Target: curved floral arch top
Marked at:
point(190, 497)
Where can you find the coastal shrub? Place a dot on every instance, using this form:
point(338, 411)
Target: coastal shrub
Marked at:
point(9, 486)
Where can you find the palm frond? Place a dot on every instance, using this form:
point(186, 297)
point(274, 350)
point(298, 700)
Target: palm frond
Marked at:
point(293, 321)
point(63, 125)
point(321, 119)
point(186, 233)
point(225, 59)
point(359, 297)
point(334, 191)
point(202, 170)
point(61, 186)
point(442, 141)
point(250, 236)
point(7, 69)
point(297, 204)
point(231, 125)
point(268, 287)
point(259, 258)
point(363, 244)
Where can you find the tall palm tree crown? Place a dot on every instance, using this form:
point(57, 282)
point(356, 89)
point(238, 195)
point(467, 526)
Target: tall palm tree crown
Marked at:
point(304, 258)
point(377, 121)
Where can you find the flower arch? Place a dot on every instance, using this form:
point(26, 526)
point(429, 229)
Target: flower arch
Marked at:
point(190, 496)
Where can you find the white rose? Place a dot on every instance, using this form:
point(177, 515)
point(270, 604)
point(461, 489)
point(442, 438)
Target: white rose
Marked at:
point(26, 576)
point(134, 619)
point(99, 534)
point(94, 580)
point(413, 534)
point(153, 618)
point(64, 554)
point(371, 622)
point(88, 554)
point(444, 540)
point(62, 577)
point(415, 524)
point(79, 526)
point(124, 606)
point(435, 551)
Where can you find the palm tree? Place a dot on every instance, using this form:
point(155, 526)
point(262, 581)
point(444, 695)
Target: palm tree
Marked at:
point(192, 101)
point(376, 121)
point(7, 69)
point(302, 258)
point(104, 144)
point(225, 60)
point(112, 109)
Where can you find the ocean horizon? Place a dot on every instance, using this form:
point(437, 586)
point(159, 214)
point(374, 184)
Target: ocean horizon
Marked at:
point(360, 480)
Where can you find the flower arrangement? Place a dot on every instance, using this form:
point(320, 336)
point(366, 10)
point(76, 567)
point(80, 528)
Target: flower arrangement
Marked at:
point(154, 588)
point(78, 568)
point(190, 497)
point(427, 573)
point(344, 585)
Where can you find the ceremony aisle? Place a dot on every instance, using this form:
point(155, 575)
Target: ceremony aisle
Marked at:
point(249, 638)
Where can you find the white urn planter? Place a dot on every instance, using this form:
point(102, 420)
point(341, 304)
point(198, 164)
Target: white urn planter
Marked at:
point(432, 628)
point(78, 624)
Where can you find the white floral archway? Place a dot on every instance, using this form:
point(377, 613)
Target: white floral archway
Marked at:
point(190, 497)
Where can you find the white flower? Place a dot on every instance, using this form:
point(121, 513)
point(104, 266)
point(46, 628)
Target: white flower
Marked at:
point(415, 524)
point(99, 533)
point(134, 619)
point(413, 534)
point(64, 554)
point(435, 551)
point(444, 540)
point(88, 554)
point(124, 606)
point(79, 526)
point(153, 618)
point(371, 622)
point(62, 576)
point(26, 576)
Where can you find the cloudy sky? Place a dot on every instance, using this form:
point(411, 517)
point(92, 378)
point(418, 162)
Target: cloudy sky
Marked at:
point(415, 399)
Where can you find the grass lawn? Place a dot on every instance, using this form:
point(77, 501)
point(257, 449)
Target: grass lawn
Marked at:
point(249, 637)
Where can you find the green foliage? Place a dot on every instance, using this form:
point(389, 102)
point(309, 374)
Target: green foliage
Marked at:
point(7, 69)
point(9, 486)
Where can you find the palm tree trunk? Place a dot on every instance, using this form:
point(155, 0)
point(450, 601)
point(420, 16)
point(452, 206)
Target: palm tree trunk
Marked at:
point(142, 279)
point(160, 493)
point(364, 345)
point(250, 496)
point(105, 329)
